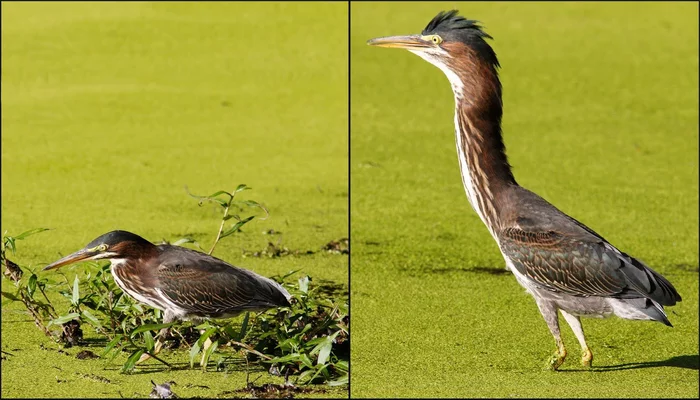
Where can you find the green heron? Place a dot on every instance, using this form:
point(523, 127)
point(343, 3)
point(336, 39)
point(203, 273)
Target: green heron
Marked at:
point(562, 263)
point(185, 284)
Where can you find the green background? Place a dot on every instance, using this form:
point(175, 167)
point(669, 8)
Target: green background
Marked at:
point(109, 110)
point(601, 119)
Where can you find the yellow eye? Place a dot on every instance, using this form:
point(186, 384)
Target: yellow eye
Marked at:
point(102, 247)
point(436, 39)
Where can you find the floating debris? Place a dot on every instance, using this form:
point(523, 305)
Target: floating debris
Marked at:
point(340, 246)
point(94, 377)
point(12, 271)
point(273, 391)
point(162, 391)
point(273, 251)
point(72, 334)
point(86, 354)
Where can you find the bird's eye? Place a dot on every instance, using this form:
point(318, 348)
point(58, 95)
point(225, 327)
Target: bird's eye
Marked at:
point(102, 247)
point(436, 39)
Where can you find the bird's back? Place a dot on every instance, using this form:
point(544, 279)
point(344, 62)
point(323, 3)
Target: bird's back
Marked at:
point(201, 284)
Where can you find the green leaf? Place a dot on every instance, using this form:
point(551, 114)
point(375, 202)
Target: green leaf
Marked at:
point(131, 362)
point(11, 243)
point(287, 358)
point(63, 319)
point(197, 347)
point(194, 351)
point(30, 232)
point(290, 273)
point(325, 352)
point(182, 241)
point(304, 376)
point(342, 365)
point(209, 352)
point(323, 370)
point(220, 192)
point(244, 327)
point(150, 343)
point(237, 226)
point(306, 361)
point(92, 318)
point(31, 285)
point(111, 345)
point(343, 380)
point(241, 188)
point(304, 284)
point(76, 291)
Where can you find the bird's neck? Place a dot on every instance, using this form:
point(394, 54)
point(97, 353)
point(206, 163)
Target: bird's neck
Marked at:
point(486, 174)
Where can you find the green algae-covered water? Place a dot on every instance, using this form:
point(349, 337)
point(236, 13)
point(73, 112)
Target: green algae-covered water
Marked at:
point(601, 119)
point(109, 110)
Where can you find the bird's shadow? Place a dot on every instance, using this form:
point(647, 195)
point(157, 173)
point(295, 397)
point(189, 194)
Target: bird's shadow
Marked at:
point(687, 362)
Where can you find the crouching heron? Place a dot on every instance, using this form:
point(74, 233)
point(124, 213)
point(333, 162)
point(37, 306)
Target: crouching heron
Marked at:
point(183, 283)
point(565, 265)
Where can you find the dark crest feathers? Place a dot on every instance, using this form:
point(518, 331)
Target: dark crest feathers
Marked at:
point(453, 27)
point(449, 20)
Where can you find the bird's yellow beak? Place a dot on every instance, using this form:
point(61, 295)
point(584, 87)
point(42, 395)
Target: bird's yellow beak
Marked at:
point(409, 42)
point(79, 255)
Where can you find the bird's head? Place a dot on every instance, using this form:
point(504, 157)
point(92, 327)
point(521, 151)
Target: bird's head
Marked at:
point(451, 42)
point(111, 245)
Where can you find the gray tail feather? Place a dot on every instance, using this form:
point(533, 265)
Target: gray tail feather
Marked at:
point(656, 312)
point(650, 283)
point(645, 307)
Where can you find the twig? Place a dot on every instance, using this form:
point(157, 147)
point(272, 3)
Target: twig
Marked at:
point(37, 319)
point(250, 350)
point(221, 228)
point(156, 358)
point(111, 315)
point(54, 315)
point(183, 338)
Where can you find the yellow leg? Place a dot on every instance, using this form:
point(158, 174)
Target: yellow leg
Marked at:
point(587, 358)
point(575, 323)
point(558, 357)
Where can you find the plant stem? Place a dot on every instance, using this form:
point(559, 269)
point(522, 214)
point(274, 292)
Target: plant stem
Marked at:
point(53, 314)
point(250, 350)
point(223, 221)
point(221, 227)
point(37, 319)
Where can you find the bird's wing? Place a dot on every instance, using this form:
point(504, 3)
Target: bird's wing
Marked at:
point(562, 254)
point(559, 263)
point(204, 284)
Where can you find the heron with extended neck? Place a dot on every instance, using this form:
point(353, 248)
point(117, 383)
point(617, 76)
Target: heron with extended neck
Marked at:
point(562, 263)
point(183, 283)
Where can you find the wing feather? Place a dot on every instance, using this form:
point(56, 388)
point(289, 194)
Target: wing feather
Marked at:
point(202, 284)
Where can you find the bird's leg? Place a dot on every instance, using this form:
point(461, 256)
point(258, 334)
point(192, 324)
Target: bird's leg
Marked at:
point(575, 324)
point(549, 312)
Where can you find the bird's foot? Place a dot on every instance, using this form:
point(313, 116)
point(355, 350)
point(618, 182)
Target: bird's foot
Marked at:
point(587, 358)
point(557, 359)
